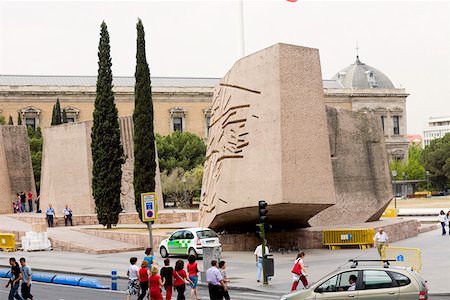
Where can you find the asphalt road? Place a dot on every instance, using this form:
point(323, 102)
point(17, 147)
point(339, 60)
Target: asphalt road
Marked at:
point(43, 291)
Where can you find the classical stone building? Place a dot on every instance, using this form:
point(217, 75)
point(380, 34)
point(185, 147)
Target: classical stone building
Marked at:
point(184, 103)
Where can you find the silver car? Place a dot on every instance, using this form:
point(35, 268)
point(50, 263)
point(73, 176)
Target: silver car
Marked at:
point(372, 282)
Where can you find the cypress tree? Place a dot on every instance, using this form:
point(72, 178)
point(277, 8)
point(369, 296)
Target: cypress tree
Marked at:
point(107, 152)
point(19, 119)
point(54, 115)
point(144, 138)
point(58, 118)
point(10, 121)
point(64, 117)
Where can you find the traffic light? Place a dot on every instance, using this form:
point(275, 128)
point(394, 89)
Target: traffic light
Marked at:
point(262, 211)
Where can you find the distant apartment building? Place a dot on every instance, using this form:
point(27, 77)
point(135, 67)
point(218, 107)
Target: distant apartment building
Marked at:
point(437, 127)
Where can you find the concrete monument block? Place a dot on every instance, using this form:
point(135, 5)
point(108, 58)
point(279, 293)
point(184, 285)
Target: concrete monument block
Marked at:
point(16, 170)
point(268, 140)
point(360, 168)
point(66, 174)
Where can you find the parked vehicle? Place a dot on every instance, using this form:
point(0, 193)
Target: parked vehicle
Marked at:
point(189, 241)
point(372, 282)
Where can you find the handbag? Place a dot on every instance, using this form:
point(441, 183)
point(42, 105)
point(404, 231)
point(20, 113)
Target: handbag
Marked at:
point(297, 269)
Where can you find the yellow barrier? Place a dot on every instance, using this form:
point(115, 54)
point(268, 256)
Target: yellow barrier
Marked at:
point(404, 257)
point(390, 213)
point(336, 238)
point(8, 242)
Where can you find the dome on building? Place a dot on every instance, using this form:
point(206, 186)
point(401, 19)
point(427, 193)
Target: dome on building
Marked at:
point(361, 76)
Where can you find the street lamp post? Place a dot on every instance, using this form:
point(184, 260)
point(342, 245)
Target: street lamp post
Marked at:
point(394, 175)
point(403, 185)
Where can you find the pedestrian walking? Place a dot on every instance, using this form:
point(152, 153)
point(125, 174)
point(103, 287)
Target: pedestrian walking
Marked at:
point(167, 276)
point(14, 280)
point(180, 277)
point(216, 285)
point(27, 274)
point(259, 260)
point(50, 215)
point(448, 221)
point(299, 272)
point(67, 211)
point(222, 268)
point(380, 240)
point(30, 201)
point(443, 220)
point(192, 270)
point(143, 279)
point(133, 279)
point(155, 284)
point(149, 257)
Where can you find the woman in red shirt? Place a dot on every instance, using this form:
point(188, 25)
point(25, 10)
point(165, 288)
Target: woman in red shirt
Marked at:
point(192, 270)
point(180, 278)
point(155, 284)
point(143, 279)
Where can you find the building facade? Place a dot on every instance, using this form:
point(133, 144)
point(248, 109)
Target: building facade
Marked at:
point(184, 103)
point(437, 127)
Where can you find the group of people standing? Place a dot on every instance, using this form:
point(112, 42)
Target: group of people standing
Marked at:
point(444, 220)
point(20, 276)
point(152, 279)
point(20, 203)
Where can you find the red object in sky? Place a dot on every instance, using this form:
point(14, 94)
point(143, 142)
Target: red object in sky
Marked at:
point(292, 0)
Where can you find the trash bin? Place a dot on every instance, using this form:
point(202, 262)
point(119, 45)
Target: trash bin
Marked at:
point(210, 253)
point(269, 266)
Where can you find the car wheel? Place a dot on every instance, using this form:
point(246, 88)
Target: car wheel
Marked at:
point(192, 252)
point(163, 252)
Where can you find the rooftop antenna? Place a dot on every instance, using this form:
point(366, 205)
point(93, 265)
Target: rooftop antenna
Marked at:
point(357, 50)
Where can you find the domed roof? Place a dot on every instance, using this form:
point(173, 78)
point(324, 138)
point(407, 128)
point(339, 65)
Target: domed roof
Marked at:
point(361, 76)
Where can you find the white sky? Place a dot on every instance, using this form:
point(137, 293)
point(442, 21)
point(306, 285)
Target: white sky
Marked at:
point(407, 40)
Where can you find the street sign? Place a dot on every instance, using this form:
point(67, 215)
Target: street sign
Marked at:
point(149, 207)
point(400, 258)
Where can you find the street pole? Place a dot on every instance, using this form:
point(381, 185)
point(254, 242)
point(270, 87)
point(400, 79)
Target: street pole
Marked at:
point(394, 174)
point(263, 245)
point(149, 225)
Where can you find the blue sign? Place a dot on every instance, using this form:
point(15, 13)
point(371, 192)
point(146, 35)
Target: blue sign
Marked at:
point(400, 258)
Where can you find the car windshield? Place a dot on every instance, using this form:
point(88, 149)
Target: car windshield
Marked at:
point(206, 234)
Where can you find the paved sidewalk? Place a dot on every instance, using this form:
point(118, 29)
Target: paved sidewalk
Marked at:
point(241, 265)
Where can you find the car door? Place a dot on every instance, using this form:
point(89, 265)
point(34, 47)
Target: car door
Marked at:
point(336, 287)
point(408, 291)
point(377, 284)
point(173, 244)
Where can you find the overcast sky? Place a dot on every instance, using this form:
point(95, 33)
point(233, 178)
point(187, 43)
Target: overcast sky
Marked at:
point(406, 40)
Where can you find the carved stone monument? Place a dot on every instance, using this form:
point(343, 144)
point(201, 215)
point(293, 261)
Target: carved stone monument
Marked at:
point(67, 168)
point(268, 140)
point(16, 170)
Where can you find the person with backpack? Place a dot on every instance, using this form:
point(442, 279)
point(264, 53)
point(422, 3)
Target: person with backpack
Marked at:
point(299, 272)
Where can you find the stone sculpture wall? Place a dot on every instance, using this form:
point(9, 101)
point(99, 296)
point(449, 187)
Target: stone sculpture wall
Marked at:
point(360, 169)
point(16, 170)
point(268, 140)
point(67, 168)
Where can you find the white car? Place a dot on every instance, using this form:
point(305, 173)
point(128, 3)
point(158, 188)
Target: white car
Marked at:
point(189, 241)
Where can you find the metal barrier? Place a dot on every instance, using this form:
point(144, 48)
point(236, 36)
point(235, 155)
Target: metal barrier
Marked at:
point(390, 213)
point(7, 241)
point(336, 238)
point(404, 257)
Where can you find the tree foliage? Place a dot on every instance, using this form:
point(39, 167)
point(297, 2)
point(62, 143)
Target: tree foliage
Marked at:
point(436, 159)
point(182, 187)
point(2, 120)
point(36, 142)
point(19, 119)
point(183, 150)
point(413, 168)
point(107, 152)
point(56, 114)
point(144, 138)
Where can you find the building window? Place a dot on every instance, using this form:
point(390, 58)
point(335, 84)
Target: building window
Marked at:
point(177, 119)
point(382, 122)
point(71, 113)
point(30, 116)
point(177, 124)
point(207, 115)
point(396, 120)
